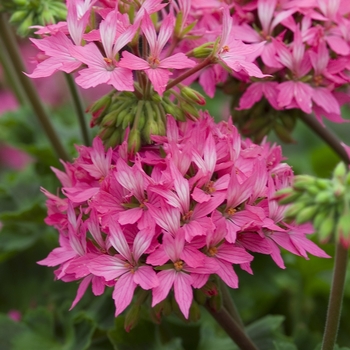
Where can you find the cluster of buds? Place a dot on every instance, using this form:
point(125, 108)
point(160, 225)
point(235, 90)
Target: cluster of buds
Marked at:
point(325, 202)
point(172, 217)
point(27, 13)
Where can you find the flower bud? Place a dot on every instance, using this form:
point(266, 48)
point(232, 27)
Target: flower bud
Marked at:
point(132, 317)
point(192, 95)
point(195, 312)
point(339, 171)
point(306, 214)
point(215, 302)
point(203, 51)
point(326, 228)
point(302, 182)
point(343, 230)
point(200, 296)
point(134, 141)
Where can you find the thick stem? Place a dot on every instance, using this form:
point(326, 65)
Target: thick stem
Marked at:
point(335, 298)
point(29, 88)
point(79, 109)
point(341, 254)
point(326, 135)
point(188, 73)
point(229, 304)
point(230, 326)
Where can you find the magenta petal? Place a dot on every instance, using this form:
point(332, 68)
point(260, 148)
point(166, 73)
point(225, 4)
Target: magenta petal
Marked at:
point(129, 216)
point(233, 254)
point(133, 62)
point(227, 274)
point(177, 61)
point(98, 285)
point(123, 292)
point(81, 290)
point(200, 196)
point(192, 256)
point(57, 256)
point(166, 279)
point(183, 292)
point(108, 267)
point(146, 277)
point(158, 257)
point(159, 78)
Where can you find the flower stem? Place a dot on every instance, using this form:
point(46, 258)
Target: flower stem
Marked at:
point(326, 135)
point(79, 109)
point(29, 89)
point(229, 304)
point(231, 327)
point(188, 73)
point(341, 253)
point(335, 298)
point(11, 76)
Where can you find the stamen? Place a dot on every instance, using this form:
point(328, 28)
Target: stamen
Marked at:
point(212, 251)
point(178, 265)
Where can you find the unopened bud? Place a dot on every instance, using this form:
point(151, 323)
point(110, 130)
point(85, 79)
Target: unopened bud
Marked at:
point(301, 182)
point(203, 51)
point(192, 95)
point(134, 141)
point(306, 214)
point(340, 171)
point(326, 228)
point(295, 209)
point(195, 312)
point(343, 230)
point(215, 302)
point(283, 133)
point(132, 317)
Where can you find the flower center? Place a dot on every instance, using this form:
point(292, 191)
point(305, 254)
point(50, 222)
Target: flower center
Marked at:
point(209, 187)
point(231, 211)
point(178, 265)
point(153, 61)
point(225, 49)
point(110, 64)
point(212, 251)
point(186, 217)
point(318, 80)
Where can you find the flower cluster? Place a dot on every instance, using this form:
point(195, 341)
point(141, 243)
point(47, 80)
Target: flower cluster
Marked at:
point(173, 215)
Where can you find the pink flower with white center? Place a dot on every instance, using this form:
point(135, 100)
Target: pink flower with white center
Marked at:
point(106, 69)
point(234, 53)
point(156, 67)
point(125, 267)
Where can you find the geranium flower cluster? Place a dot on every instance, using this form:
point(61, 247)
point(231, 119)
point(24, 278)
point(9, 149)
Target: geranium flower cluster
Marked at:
point(168, 218)
point(301, 48)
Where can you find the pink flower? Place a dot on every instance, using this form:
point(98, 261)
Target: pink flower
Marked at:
point(157, 68)
point(125, 266)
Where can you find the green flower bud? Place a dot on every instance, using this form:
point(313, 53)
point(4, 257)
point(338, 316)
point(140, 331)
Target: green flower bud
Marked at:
point(289, 198)
point(195, 312)
point(283, 133)
point(323, 184)
point(306, 214)
point(343, 230)
point(324, 197)
point(190, 110)
point(200, 296)
point(295, 209)
point(134, 141)
point(192, 96)
point(215, 302)
point(203, 51)
point(320, 217)
point(301, 182)
point(132, 317)
point(340, 171)
point(326, 228)
point(313, 190)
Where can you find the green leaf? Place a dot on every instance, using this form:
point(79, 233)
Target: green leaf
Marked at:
point(83, 329)
point(263, 332)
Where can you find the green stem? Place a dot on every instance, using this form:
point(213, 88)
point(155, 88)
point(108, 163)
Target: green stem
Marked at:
point(231, 327)
point(188, 73)
point(11, 76)
point(229, 304)
point(341, 254)
point(78, 105)
point(29, 88)
point(326, 135)
point(335, 298)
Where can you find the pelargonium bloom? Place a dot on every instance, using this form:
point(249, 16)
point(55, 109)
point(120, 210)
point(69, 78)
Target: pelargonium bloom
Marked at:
point(149, 221)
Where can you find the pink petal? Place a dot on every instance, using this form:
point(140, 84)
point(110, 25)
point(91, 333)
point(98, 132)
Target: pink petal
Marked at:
point(177, 61)
point(233, 254)
point(118, 241)
point(183, 292)
point(159, 78)
point(133, 62)
point(227, 274)
point(166, 280)
point(324, 98)
point(81, 290)
point(130, 216)
point(109, 267)
point(123, 292)
point(141, 243)
point(146, 277)
point(58, 256)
